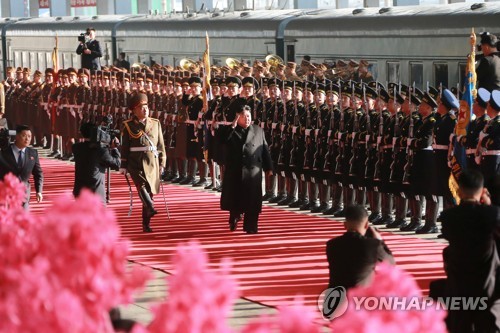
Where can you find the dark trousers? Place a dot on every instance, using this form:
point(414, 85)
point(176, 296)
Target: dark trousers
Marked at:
point(250, 220)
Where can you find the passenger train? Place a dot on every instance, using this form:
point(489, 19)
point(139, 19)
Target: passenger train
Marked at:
point(409, 44)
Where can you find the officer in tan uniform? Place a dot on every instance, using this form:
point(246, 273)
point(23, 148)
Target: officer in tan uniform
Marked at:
point(143, 154)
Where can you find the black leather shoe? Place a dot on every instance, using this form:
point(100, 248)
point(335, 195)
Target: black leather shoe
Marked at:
point(440, 236)
point(285, 201)
point(187, 181)
point(209, 186)
point(146, 228)
point(427, 229)
point(387, 220)
point(306, 205)
point(267, 196)
point(296, 203)
point(322, 208)
point(233, 224)
point(333, 210)
point(200, 183)
point(178, 179)
point(378, 220)
point(413, 226)
point(277, 199)
point(315, 208)
point(372, 216)
point(252, 232)
point(340, 213)
point(397, 223)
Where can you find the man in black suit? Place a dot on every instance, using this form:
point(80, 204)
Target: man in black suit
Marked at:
point(22, 161)
point(247, 155)
point(488, 70)
point(91, 161)
point(471, 260)
point(90, 50)
point(353, 256)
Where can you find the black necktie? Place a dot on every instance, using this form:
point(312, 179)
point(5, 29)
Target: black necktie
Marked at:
point(20, 160)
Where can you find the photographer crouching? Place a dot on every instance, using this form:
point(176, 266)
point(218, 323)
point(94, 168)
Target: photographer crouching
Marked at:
point(93, 156)
point(90, 49)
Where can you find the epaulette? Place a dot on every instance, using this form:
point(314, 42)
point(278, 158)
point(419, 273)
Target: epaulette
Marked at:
point(432, 119)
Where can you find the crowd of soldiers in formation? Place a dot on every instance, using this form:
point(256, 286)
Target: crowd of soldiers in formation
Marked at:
point(336, 136)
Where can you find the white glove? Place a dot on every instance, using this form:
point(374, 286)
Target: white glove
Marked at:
point(123, 171)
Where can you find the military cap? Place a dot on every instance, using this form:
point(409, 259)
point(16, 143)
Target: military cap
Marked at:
point(346, 90)
point(495, 100)
point(298, 85)
point(288, 85)
point(488, 39)
point(185, 81)
point(49, 71)
point(417, 92)
point(483, 97)
point(291, 65)
point(137, 99)
point(404, 91)
point(168, 68)
point(139, 77)
point(250, 82)
point(106, 75)
point(222, 81)
point(84, 72)
point(364, 62)
point(391, 86)
point(149, 77)
point(428, 99)
point(257, 63)
point(341, 63)
point(308, 86)
point(119, 75)
point(126, 77)
point(113, 75)
point(93, 73)
point(9, 69)
point(370, 93)
point(321, 67)
point(19, 70)
point(399, 98)
point(214, 81)
point(416, 99)
point(353, 63)
point(433, 92)
point(384, 95)
point(195, 80)
point(233, 81)
point(62, 73)
point(449, 99)
point(274, 82)
point(264, 81)
point(319, 88)
point(280, 66)
point(27, 70)
point(332, 88)
point(164, 79)
point(37, 73)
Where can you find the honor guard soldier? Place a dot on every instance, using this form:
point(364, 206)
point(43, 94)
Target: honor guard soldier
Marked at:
point(33, 107)
point(143, 155)
point(443, 130)
point(420, 169)
point(213, 106)
point(333, 95)
point(298, 145)
point(488, 148)
point(476, 126)
point(45, 109)
point(181, 134)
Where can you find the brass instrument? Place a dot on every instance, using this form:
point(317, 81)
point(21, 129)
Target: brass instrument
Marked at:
point(274, 60)
point(189, 65)
point(232, 63)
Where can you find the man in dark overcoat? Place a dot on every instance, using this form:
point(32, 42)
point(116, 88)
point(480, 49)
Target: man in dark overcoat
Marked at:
point(247, 155)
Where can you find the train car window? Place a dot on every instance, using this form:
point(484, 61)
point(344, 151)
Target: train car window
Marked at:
point(48, 59)
point(42, 65)
point(290, 53)
point(25, 59)
point(440, 74)
point(17, 59)
point(66, 60)
point(216, 61)
point(33, 60)
point(373, 69)
point(417, 74)
point(461, 72)
point(393, 74)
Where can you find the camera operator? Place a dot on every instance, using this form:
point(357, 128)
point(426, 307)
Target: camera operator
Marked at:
point(91, 161)
point(90, 49)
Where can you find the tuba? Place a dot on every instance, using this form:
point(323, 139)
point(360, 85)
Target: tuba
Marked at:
point(274, 60)
point(189, 65)
point(232, 63)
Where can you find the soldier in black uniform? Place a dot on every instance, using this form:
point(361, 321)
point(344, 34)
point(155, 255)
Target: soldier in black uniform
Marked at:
point(211, 146)
point(488, 148)
point(298, 145)
point(442, 132)
point(469, 141)
point(358, 159)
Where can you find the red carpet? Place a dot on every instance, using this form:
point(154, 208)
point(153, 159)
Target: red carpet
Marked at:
point(285, 259)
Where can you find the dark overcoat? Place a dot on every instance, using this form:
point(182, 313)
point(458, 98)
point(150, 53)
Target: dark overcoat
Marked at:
point(247, 155)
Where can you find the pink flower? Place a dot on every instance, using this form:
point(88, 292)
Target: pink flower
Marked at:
point(65, 269)
point(389, 281)
point(200, 299)
point(12, 192)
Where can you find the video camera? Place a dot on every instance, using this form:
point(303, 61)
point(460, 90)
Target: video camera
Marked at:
point(84, 37)
point(5, 135)
point(104, 134)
